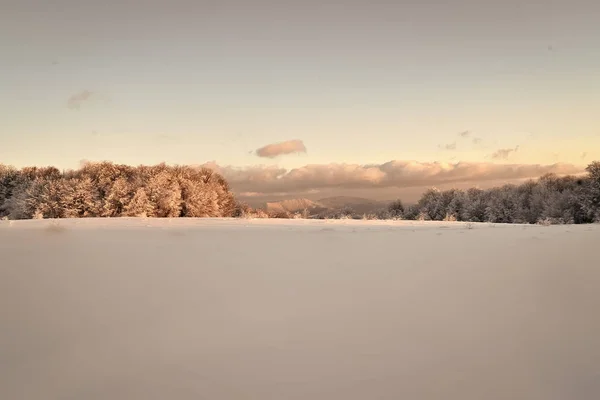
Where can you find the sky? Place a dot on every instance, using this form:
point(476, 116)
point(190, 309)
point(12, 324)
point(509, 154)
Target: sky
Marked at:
point(297, 86)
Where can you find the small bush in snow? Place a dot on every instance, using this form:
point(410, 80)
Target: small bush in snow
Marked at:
point(450, 218)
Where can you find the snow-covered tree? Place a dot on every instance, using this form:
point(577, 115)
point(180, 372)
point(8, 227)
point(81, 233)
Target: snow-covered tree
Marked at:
point(474, 205)
point(395, 210)
point(430, 205)
point(117, 197)
point(46, 198)
point(140, 205)
point(165, 195)
point(502, 205)
point(17, 206)
point(9, 179)
point(81, 199)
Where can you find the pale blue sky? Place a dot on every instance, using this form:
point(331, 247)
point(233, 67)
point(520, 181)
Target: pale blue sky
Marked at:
point(357, 82)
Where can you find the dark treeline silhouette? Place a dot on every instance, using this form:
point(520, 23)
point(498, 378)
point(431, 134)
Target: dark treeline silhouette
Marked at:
point(108, 190)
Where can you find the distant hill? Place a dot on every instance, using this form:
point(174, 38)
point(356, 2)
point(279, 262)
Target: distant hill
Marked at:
point(358, 204)
point(327, 205)
point(293, 205)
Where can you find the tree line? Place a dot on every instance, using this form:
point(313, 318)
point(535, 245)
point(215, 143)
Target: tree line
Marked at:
point(548, 200)
point(110, 190)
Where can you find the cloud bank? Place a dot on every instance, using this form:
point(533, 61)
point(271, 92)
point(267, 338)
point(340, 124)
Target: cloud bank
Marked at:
point(277, 149)
point(273, 180)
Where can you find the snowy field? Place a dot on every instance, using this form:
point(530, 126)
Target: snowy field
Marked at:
point(291, 309)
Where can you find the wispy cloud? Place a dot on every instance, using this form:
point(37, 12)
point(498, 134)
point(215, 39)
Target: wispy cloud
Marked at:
point(77, 99)
point(449, 146)
point(503, 154)
point(477, 141)
point(584, 155)
point(464, 134)
point(398, 174)
point(277, 149)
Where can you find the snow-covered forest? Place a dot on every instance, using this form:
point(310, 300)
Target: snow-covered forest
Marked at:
point(551, 199)
point(109, 190)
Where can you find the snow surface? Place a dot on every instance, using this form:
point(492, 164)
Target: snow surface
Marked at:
point(295, 309)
